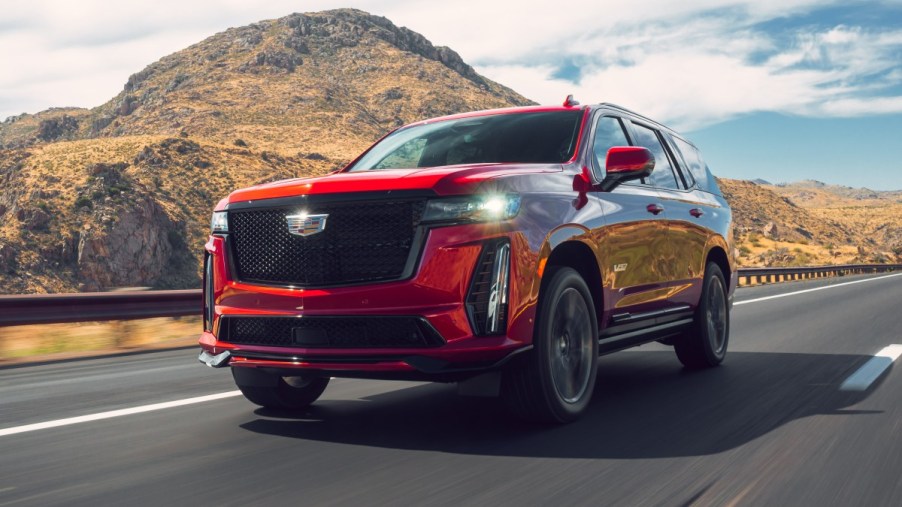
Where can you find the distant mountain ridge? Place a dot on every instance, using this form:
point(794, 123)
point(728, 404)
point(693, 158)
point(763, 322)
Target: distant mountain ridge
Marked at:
point(811, 222)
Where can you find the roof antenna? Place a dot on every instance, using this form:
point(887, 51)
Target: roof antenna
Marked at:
point(570, 101)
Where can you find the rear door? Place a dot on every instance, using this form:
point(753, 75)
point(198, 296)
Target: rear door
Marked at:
point(691, 212)
point(677, 243)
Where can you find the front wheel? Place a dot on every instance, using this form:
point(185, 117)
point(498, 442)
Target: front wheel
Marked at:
point(705, 344)
point(553, 383)
point(277, 392)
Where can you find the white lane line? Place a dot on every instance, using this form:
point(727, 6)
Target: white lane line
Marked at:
point(814, 289)
point(116, 413)
point(870, 371)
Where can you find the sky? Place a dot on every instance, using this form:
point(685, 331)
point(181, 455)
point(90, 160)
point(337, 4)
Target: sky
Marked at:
point(782, 90)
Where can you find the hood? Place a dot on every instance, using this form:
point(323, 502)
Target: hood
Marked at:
point(446, 180)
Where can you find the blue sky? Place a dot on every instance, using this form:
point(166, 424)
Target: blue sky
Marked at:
point(776, 89)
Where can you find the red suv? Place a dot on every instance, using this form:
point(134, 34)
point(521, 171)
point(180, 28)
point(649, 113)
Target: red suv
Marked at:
point(504, 250)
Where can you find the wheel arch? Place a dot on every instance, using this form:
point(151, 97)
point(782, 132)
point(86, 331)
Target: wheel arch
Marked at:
point(718, 256)
point(580, 256)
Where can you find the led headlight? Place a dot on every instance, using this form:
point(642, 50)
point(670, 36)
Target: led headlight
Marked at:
point(473, 208)
point(219, 222)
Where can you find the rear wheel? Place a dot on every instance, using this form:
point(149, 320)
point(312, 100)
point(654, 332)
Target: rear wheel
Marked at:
point(274, 391)
point(705, 344)
point(554, 382)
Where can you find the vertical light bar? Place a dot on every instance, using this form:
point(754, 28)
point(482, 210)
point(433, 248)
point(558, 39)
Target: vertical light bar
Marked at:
point(495, 318)
point(208, 292)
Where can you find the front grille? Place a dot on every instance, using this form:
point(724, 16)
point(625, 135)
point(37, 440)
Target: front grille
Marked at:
point(362, 242)
point(348, 332)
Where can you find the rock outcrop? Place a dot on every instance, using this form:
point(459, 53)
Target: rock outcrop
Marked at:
point(127, 245)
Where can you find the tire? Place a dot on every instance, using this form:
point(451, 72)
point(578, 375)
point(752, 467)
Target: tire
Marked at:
point(276, 392)
point(553, 382)
point(705, 344)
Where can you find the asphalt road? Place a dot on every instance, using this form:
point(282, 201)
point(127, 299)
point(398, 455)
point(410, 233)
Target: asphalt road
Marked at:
point(771, 426)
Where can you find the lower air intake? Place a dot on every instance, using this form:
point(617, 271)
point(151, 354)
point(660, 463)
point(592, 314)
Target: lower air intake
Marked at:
point(350, 332)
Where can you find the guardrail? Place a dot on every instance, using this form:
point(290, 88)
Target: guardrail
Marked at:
point(91, 306)
point(129, 305)
point(758, 276)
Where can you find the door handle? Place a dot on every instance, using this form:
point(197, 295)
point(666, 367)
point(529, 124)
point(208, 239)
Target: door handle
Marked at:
point(696, 212)
point(654, 209)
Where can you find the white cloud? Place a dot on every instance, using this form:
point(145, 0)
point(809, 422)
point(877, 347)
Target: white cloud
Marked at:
point(689, 63)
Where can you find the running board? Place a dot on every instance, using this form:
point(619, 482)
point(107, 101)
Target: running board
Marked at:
point(622, 318)
point(629, 339)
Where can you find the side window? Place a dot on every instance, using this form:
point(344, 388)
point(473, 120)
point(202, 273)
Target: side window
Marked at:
point(608, 133)
point(694, 162)
point(682, 169)
point(662, 176)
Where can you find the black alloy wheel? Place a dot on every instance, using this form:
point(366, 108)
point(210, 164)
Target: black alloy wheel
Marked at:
point(705, 344)
point(554, 382)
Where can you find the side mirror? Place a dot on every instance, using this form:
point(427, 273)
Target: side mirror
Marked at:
point(626, 163)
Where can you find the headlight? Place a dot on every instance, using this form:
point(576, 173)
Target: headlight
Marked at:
point(472, 208)
point(219, 222)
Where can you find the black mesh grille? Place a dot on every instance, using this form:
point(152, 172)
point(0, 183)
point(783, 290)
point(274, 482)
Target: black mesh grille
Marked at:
point(330, 332)
point(362, 242)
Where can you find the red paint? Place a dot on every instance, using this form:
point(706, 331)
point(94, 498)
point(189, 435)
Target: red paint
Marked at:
point(628, 159)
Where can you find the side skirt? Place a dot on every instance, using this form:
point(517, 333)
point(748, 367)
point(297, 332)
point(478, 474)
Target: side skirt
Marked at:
point(632, 330)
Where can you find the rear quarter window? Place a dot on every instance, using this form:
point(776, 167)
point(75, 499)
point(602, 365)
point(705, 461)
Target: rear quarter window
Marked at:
point(697, 166)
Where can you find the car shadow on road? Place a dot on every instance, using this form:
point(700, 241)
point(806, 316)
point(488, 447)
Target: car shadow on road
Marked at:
point(645, 406)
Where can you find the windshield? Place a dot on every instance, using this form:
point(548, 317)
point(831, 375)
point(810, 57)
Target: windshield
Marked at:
point(543, 137)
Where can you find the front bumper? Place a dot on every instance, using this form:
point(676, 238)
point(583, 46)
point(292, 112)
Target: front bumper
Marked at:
point(437, 292)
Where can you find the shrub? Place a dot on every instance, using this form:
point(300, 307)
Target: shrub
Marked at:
point(83, 202)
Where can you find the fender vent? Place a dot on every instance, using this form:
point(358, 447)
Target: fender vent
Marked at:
point(487, 298)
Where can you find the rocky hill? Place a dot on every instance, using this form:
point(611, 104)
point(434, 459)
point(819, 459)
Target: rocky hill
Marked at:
point(810, 223)
point(120, 195)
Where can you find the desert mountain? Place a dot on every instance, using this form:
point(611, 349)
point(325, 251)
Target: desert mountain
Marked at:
point(120, 195)
point(810, 223)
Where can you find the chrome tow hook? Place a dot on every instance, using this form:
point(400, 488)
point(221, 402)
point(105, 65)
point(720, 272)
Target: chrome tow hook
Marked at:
point(217, 361)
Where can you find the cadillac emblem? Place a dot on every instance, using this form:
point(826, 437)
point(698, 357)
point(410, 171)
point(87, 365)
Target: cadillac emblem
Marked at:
point(306, 225)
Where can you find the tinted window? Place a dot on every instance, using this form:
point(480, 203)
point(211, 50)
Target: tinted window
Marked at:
point(546, 137)
point(662, 176)
point(696, 165)
point(608, 133)
point(681, 168)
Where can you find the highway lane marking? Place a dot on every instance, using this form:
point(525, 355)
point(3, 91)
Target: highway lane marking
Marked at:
point(870, 371)
point(116, 413)
point(813, 290)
